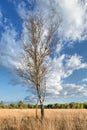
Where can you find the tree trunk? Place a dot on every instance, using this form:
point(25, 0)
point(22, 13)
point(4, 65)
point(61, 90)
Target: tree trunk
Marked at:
point(36, 109)
point(42, 110)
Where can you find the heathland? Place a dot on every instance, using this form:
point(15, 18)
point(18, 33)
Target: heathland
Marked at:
point(55, 119)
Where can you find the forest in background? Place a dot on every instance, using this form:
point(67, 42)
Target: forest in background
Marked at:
point(22, 105)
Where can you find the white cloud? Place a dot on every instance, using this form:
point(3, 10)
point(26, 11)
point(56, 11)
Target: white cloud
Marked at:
point(84, 80)
point(59, 47)
point(9, 47)
point(68, 92)
point(75, 63)
point(22, 10)
point(73, 13)
point(63, 67)
point(74, 90)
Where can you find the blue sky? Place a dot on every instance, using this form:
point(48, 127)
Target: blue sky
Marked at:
point(68, 80)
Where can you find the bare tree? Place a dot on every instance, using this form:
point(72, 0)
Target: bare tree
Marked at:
point(36, 49)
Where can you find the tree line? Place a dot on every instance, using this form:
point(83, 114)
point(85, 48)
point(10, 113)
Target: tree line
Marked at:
point(21, 105)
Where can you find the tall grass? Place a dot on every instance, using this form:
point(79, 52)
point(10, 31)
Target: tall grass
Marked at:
point(54, 120)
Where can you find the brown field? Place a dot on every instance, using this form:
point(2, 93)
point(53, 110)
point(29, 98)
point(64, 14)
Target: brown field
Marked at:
point(55, 119)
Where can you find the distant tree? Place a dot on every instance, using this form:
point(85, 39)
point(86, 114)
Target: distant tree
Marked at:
point(85, 105)
point(30, 106)
point(56, 105)
point(12, 106)
point(72, 105)
point(81, 105)
point(21, 105)
point(1, 104)
point(67, 105)
point(51, 106)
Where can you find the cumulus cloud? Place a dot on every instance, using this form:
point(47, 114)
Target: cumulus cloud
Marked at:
point(73, 14)
point(63, 67)
point(74, 90)
point(9, 47)
point(84, 80)
point(9, 43)
point(74, 63)
point(74, 19)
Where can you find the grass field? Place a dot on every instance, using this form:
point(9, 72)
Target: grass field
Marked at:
point(55, 119)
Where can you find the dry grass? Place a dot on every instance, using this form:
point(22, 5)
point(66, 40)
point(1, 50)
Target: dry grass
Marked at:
point(55, 119)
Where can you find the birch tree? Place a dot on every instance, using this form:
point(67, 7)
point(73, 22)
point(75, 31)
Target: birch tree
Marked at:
point(37, 48)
